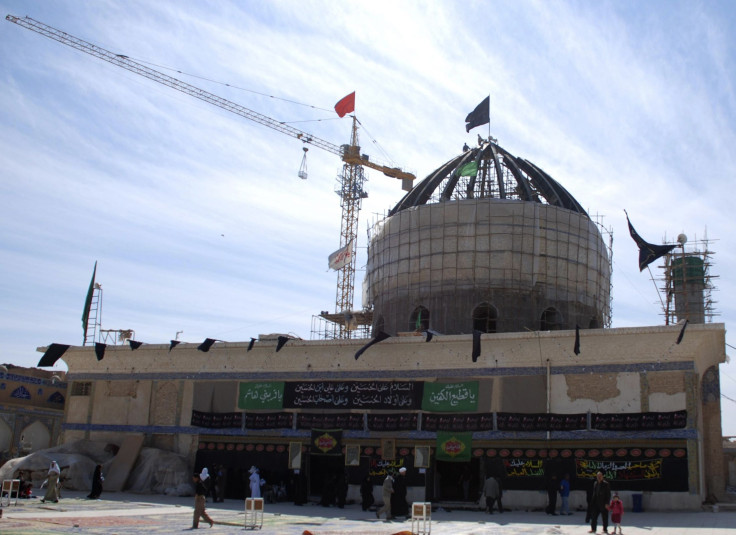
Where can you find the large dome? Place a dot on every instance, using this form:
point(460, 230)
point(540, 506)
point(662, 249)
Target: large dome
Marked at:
point(500, 175)
point(487, 242)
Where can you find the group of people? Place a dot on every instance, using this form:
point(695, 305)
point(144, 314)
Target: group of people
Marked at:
point(601, 503)
point(53, 484)
point(393, 493)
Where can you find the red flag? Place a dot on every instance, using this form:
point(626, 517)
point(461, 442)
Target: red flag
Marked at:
point(346, 105)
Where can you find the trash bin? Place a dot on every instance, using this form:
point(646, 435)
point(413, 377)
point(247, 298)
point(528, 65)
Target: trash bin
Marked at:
point(638, 507)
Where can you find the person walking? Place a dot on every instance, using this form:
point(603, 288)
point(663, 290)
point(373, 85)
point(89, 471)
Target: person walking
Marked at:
point(255, 482)
point(387, 491)
point(399, 507)
point(97, 480)
point(599, 503)
point(617, 512)
point(221, 483)
point(366, 493)
point(52, 491)
point(492, 491)
point(553, 488)
point(200, 498)
point(565, 495)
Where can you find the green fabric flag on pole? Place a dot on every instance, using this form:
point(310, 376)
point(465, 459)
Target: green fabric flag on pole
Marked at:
point(454, 447)
point(88, 304)
point(468, 169)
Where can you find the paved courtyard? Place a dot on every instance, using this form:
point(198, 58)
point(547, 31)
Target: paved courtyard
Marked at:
point(124, 513)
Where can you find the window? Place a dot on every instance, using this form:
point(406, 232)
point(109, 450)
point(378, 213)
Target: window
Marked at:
point(419, 319)
point(551, 320)
point(484, 318)
point(81, 388)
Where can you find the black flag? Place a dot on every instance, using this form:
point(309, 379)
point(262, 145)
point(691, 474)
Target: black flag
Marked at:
point(53, 353)
point(134, 345)
point(281, 342)
point(380, 337)
point(480, 115)
point(576, 349)
point(173, 344)
point(476, 344)
point(206, 345)
point(100, 350)
point(250, 345)
point(682, 331)
point(648, 252)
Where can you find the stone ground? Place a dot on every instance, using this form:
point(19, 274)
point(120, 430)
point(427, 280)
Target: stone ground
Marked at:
point(125, 513)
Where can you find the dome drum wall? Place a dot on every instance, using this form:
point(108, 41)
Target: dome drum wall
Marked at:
point(520, 257)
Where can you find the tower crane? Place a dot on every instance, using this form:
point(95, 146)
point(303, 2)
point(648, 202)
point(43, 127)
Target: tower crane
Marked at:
point(351, 181)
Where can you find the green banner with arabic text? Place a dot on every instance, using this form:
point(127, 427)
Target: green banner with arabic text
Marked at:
point(261, 395)
point(450, 397)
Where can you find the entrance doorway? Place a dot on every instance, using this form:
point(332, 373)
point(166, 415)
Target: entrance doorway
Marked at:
point(324, 473)
point(457, 482)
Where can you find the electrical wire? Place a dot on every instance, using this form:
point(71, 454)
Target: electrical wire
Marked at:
point(225, 84)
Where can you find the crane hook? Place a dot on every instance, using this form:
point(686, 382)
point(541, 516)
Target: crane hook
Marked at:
point(303, 169)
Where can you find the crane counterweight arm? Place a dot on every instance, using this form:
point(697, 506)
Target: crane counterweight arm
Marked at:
point(345, 152)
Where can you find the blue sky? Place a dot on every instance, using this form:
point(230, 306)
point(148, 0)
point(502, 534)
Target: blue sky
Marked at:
point(197, 218)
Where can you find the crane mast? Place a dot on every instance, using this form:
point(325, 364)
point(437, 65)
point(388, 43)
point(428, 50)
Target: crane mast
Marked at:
point(352, 178)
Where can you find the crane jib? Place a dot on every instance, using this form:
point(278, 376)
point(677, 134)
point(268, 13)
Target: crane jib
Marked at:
point(125, 62)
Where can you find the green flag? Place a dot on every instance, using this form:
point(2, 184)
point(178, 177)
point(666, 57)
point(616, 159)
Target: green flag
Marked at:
point(468, 169)
point(88, 304)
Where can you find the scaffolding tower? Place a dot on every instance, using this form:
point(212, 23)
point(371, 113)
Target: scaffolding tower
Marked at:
point(687, 283)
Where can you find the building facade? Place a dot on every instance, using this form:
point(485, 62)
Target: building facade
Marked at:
point(631, 402)
point(31, 410)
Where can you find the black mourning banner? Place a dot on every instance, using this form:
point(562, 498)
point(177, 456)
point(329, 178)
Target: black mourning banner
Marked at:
point(457, 422)
point(100, 350)
point(641, 421)
point(134, 344)
point(216, 420)
point(206, 345)
point(345, 420)
point(269, 420)
point(507, 421)
point(476, 345)
point(385, 395)
point(52, 354)
point(648, 252)
point(567, 422)
point(393, 422)
point(480, 115)
point(173, 344)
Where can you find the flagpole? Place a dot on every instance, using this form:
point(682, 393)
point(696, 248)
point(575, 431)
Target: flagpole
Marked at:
point(489, 118)
point(666, 318)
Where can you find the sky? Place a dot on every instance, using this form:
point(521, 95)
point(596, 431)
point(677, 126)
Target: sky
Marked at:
point(197, 219)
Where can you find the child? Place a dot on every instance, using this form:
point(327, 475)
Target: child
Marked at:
point(617, 512)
